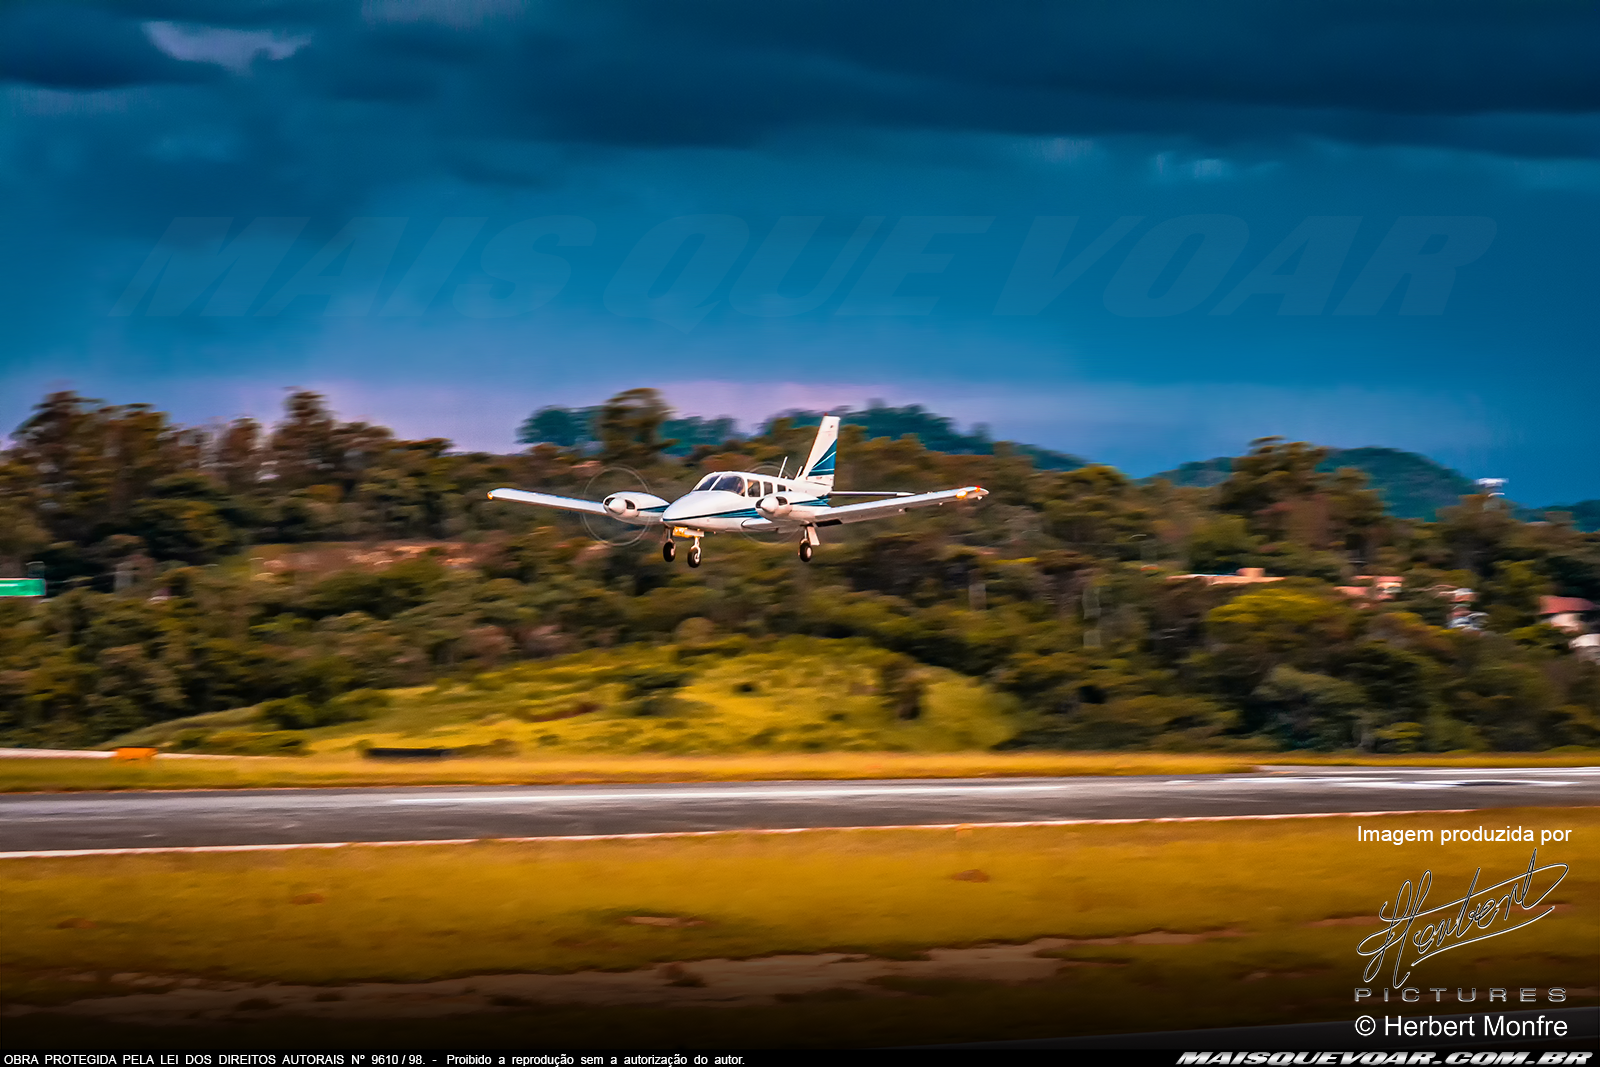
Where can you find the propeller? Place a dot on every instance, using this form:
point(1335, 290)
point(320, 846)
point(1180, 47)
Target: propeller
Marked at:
point(623, 490)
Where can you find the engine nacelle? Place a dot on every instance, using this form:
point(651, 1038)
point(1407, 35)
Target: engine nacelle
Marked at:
point(775, 506)
point(780, 507)
point(629, 505)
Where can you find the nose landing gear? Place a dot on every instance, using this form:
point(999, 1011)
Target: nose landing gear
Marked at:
point(669, 551)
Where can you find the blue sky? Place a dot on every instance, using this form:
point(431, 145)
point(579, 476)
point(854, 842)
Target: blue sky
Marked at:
point(1145, 232)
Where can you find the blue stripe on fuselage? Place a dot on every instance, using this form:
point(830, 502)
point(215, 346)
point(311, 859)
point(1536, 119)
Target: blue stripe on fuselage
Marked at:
point(733, 512)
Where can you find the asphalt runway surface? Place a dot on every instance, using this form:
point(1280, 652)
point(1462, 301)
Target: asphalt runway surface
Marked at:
point(62, 821)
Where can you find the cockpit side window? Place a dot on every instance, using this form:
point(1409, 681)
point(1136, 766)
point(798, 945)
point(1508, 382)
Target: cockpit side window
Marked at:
point(728, 483)
point(754, 489)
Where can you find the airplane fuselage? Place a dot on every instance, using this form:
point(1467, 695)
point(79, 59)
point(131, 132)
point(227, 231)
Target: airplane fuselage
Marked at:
point(729, 501)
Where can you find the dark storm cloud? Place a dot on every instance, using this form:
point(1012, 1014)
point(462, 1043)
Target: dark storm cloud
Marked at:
point(1428, 74)
point(727, 73)
point(69, 46)
point(1420, 58)
point(238, 13)
point(719, 72)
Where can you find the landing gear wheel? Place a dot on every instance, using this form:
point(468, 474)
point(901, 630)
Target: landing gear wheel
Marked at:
point(694, 556)
point(805, 551)
point(669, 551)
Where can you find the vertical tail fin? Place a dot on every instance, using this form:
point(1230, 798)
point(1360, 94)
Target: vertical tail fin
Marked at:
point(824, 452)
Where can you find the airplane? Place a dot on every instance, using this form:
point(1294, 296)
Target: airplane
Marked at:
point(734, 501)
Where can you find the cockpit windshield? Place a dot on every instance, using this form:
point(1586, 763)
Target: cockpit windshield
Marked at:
point(727, 483)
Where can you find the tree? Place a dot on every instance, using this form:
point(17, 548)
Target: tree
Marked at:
point(188, 530)
point(301, 449)
point(1311, 708)
point(21, 536)
point(1477, 531)
point(1222, 545)
point(1093, 505)
point(629, 426)
point(563, 427)
point(935, 432)
point(1178, 721)
point(1512, 595)
point(237, 455)
point(694, 431)
point(85, 468)
point(1280, 492)
point(1273, 472)
point(1272, 627)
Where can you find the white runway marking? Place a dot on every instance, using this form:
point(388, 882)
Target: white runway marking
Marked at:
point(57, 853)
point(801, 792)
point(1427, 783)
point(965, 788)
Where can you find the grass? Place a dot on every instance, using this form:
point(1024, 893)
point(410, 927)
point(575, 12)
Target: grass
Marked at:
point(59, 775)
point(1561, 757)
point(795, 707)
point(68, 775)
point(796, 694)
point(405, 914)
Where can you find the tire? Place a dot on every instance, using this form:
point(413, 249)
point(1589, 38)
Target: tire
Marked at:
point(669, 551)
point(694, 556)
point(805, 551)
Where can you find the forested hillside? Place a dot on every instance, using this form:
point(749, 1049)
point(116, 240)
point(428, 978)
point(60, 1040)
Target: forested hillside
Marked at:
point(580, 428)
point(1411, 486)
point(1585, 514)
point(195, 569)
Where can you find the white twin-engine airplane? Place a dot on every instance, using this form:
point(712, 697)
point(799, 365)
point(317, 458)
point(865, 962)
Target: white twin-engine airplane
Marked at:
point(733, 501)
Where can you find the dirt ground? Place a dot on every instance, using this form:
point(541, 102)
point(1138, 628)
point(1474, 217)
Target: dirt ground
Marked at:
point(154, 999)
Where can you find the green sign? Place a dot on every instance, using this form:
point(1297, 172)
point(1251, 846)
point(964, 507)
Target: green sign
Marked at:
point(21, 587)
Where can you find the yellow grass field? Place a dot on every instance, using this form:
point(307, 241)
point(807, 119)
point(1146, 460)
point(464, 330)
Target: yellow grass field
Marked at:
point(59, 775)
point(1239, 922)
point(38, 775)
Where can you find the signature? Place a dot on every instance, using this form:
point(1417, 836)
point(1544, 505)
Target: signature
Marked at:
point(1477, 916)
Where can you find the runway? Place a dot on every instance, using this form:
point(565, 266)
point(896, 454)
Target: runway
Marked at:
point(68, 821)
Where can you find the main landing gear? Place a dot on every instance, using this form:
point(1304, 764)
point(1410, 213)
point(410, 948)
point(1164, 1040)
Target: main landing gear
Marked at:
point(808, 543)
point(669, 551)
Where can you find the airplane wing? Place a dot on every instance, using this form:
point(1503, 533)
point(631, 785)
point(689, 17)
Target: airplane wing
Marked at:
point(565, 503)
point(882, 509)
